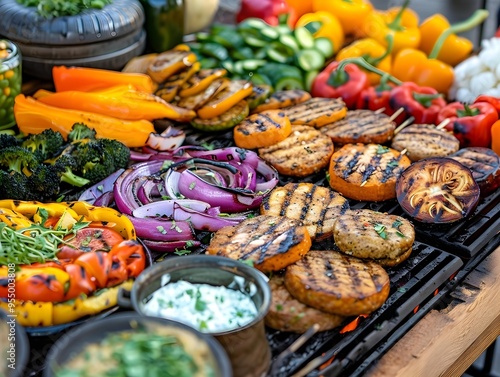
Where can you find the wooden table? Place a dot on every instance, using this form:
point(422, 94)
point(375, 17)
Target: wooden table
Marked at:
point(447, 341)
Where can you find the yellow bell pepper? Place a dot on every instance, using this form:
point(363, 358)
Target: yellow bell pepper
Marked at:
point(325, 25)
point(14, 219)
point(373, 52)
point(453, 49)
point(37, 314)
point(300, 7)
point(351, 13)
point(401, 23)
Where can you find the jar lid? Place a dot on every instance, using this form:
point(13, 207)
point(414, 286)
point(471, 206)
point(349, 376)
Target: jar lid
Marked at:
point(8, 50)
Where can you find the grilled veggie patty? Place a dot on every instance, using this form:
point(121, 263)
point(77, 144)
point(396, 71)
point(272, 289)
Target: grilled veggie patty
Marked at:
point(338, 284)
point(288, 314)
point(317, 207)
point(425, 140)
point(366, 171)
point(361, 126)
point(270, 242)
point(305, 151)
point(370, 234)
point(317, 112)
point(282, 99)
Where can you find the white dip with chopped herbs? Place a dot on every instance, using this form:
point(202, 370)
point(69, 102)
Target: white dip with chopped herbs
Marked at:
point(208, 308)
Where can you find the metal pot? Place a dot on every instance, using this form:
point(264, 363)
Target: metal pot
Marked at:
point(74, 342)
point(247, 346)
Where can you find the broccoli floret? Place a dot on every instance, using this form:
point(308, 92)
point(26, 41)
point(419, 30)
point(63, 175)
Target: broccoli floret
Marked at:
point(8, 141)
point(14, 185)
point(118, 151)
point(65, 165)
point(43, 182)
point(18, 159)
point(80, 131)
point(45, 144)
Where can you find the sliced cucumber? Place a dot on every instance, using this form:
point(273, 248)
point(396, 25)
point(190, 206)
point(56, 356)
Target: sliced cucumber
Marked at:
point(304, 37)
point(261, 53)
point(206, 63)
point(227, 38)
point(238, 67)
point(310, 59)
point(242, 53)
point(290, 41)
point(225, 121)
point(254, 41)
point(270, 33)
point(260, 79)
point(279, 52)
point(325, 46)
point(288, 83)
point(309, 79)
point(254, 23)
point(252, 64)
point(214, 50)
point(202, 36)
point(284, 29)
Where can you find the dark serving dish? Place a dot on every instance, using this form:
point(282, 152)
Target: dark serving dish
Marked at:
point(76, 340)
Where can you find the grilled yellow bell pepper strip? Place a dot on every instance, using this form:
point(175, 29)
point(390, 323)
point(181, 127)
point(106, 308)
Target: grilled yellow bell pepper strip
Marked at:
point(13, 219)
point(324, 24)
point(373, 52)
point(33, 117)
point(351, 13)
point(123, 102)
point(451, 48)
point(35, 314)
point(400, 22)
point(78, 209)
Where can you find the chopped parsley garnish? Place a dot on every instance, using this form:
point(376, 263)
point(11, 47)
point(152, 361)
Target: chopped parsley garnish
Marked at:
point(380, 229)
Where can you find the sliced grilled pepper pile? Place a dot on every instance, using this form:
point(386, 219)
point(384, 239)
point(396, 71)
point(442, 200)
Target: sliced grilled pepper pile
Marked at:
point(92, 261)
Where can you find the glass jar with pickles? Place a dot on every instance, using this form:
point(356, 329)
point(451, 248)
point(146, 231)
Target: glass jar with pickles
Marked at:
point(10, 81)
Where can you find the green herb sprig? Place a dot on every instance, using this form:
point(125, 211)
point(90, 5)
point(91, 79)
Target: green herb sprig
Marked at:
point(58, 8)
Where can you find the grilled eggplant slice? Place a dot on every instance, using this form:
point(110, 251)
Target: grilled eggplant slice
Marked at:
point(338, 284)
point(288, 314)
point(317, 112)
point(484, 164)
point(437, 190)
point(305, 151)
point(425, 140)
point(227, 120)
point(361, 126)
point(282, 99)
point(366, 171)
point(169, 63)
point(262, 129)
point(363, 233)
point(270, 242)
point(316, 206)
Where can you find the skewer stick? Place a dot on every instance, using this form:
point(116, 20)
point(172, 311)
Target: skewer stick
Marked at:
point(443, 124)
point(396, 114)
point(406, 123)
point(299, 342)
point(404, 151)
point(379, 111)
point(363, 183)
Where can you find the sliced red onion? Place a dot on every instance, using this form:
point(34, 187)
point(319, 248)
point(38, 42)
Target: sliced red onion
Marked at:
point(170, 247)
point(229, 154)
point(138, 156)
point(204, 221)
point(95, 191)
point(105, 200)
point(168, 140)
point(166, 207)
point(162, 230)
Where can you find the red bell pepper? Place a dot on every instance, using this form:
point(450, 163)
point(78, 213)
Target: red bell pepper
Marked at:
point(80, 282)
point(340, 80)
point(495, 101)
point(271, 11)
point(421, 102)
point(470, 124)
point(376, 97)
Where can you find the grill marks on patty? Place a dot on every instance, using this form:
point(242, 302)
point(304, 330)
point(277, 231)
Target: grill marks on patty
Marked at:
point(317, 207)
point(361, 126)
point(270, 242)
point(317, 112)
point(338, 284)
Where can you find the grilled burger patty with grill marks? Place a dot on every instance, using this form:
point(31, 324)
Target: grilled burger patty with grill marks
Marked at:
point(288, 314)
point(363, 233)
point(316, 206)
point(317, 111)
point(336, 283)
point(366, 171)
point(305, 151)
point(270, 242)
point(361, 126)
point(425, 140)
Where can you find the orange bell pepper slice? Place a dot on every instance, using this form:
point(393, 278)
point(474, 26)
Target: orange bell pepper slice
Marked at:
point(236, 91)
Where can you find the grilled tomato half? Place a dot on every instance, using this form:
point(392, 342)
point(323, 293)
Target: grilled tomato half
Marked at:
point(437, 190)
